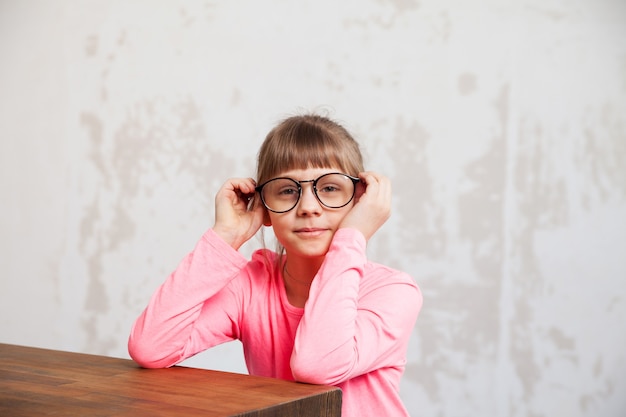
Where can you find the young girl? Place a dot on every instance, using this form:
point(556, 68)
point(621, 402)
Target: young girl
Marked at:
point(315, 311)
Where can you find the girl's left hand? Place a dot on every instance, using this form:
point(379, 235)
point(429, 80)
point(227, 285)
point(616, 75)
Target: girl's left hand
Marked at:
point(372, 205)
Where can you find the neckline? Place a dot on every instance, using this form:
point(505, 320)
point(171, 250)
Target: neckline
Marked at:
point(283, 295)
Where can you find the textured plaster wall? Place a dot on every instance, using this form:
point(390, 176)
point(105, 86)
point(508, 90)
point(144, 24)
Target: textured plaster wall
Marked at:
point(502, 125)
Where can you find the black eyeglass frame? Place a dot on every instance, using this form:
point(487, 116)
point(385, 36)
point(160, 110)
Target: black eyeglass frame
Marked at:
point(354, 180)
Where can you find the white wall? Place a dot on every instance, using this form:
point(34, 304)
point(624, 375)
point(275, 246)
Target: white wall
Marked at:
point(501, 124)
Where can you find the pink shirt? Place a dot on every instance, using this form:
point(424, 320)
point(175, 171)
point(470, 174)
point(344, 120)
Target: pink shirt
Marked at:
point(353, 332)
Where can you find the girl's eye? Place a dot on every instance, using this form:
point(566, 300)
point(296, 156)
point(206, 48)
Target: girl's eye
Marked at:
point(329, 184)
point(329, 189)
point(287, 191)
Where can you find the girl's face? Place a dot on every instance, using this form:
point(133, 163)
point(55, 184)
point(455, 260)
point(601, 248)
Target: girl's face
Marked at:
point(307, 230)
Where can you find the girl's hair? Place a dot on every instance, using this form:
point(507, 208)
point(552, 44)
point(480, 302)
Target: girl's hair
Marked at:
point(308, 141)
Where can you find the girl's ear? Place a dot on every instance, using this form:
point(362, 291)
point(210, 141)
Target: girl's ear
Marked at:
point(266, 218)
point(360, 190)
point(255, 204)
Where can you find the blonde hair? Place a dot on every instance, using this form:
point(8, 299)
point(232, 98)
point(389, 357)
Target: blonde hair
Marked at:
point(308, 141)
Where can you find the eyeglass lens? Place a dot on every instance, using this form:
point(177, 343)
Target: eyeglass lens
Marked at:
point(332, 190)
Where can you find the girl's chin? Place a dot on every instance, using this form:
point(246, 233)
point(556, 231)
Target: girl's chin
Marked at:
point(307, 250)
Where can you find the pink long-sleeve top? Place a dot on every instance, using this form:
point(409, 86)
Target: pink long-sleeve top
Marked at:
point(352, 333)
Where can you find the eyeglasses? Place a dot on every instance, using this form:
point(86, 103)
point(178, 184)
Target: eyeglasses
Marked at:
point(334, 190)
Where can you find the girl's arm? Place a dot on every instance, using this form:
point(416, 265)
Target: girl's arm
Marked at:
point(165, 332)
point(353, 325)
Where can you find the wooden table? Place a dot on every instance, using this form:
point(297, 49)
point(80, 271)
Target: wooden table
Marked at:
point(36, 382)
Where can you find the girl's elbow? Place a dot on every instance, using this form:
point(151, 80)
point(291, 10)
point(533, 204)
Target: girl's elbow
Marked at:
point(146, 356)
point(146, 361)
point(314, 372)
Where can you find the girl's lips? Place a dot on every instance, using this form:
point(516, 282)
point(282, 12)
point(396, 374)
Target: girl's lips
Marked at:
point(310, 231)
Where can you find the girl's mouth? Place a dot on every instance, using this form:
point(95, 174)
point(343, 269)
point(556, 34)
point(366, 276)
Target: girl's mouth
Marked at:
point(309, 231)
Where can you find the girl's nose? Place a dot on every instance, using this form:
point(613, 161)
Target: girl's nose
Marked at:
point(308, 204)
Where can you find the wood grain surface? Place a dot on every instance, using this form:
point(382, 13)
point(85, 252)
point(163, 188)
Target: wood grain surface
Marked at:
point(39, 382)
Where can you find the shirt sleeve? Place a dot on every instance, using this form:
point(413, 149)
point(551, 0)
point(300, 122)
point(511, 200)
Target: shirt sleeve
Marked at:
point(166, 332)
point(357, 318)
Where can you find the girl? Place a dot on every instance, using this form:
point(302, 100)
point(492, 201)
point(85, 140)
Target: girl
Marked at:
point(316, 310)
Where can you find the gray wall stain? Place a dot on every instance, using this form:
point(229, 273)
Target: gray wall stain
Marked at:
point(156, 142)
point(422, 218)
point(603, 153)
point(467, 83)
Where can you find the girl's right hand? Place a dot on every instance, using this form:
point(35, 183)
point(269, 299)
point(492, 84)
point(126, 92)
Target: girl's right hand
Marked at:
point(238, 216)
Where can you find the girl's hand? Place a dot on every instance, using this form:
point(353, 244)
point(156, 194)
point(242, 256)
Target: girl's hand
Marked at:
point(372, 205)
point(238, 216)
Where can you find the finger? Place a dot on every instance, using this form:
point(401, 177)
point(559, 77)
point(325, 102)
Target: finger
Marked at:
point(240, 189)
point(376, 186)
point(370, 181)
point(244, 185)
point(248, 185)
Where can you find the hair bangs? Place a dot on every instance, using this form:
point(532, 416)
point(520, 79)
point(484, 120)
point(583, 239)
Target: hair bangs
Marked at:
point(309, 154)
point(308, 142)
